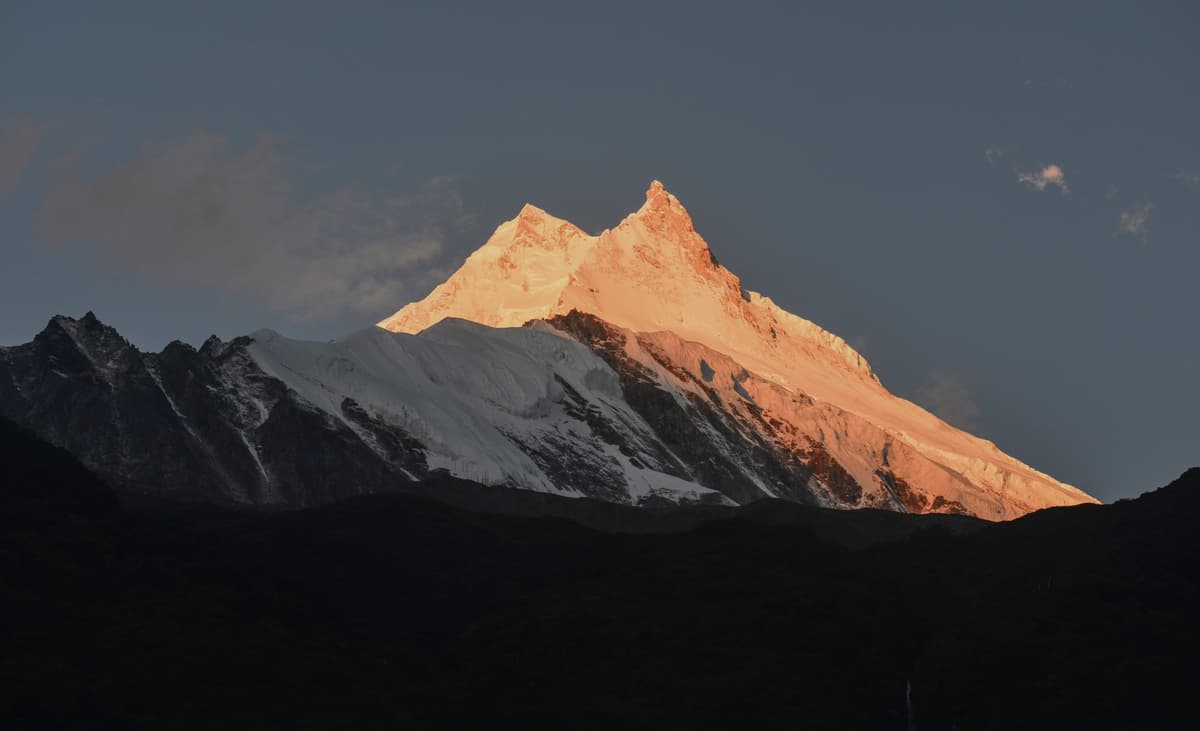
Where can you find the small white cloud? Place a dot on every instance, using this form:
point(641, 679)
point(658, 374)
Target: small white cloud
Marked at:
point(1037, 178)
point(1049, 176)
point(1135, 221)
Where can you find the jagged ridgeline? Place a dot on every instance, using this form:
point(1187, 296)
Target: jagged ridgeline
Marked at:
point(629, 366)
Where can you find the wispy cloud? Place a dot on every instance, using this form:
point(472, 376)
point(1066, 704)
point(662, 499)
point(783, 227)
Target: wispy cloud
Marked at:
point(1047, 177)
point(197, 211)
point(946, 395)
point(1135, 221)
point(992, 153)
point(1190, 178)
point(17, 146)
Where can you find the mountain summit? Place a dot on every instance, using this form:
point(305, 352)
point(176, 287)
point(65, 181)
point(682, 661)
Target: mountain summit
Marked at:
point(653, 272)
point(654, 277)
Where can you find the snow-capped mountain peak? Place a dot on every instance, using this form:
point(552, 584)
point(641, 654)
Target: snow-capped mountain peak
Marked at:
point(653, 273)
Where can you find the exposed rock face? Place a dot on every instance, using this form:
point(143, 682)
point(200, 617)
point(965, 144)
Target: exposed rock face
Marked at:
point(185, 424)
point(751, 438)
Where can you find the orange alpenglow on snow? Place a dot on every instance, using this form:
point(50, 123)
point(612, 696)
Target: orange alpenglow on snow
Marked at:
point(653, 275)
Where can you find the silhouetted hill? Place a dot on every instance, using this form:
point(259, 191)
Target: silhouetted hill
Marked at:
point(849, 528)
point(401, 610)
point(1078, 618)
point(41, 478)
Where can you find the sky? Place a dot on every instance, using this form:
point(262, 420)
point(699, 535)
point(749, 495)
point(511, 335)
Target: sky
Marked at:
point(998, 204)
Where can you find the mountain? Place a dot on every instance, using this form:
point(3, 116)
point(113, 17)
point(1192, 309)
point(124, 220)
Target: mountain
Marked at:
point(629, 367)
point(184, 424)
point(651, 298)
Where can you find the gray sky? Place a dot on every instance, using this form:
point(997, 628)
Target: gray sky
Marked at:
point(998, 204)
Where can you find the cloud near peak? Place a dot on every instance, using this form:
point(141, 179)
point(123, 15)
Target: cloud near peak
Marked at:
point(947, 396)
point(198, 211)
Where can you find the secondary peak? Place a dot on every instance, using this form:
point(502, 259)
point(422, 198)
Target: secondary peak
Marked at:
point(657, 195)
point(530, 211)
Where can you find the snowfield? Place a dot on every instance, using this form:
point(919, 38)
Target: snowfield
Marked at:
point(486, 403)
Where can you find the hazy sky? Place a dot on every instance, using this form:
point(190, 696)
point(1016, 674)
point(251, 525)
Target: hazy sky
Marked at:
point(998, 204)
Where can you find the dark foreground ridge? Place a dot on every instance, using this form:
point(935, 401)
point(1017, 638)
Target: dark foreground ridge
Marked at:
point(44, 480)
point(393, 610)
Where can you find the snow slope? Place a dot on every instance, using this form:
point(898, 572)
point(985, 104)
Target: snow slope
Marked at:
point(519, 407)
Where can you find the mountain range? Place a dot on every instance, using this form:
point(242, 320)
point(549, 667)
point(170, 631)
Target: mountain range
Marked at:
point(628, 366)
point(588, 482)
